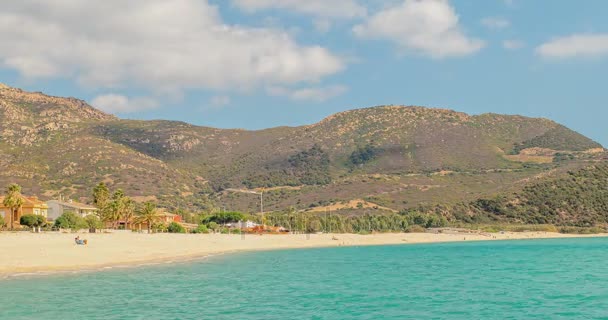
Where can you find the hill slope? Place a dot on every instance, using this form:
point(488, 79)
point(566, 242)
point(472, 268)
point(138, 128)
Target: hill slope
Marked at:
point(393, 156)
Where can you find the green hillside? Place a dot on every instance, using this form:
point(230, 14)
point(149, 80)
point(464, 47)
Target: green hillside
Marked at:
point(392, 157)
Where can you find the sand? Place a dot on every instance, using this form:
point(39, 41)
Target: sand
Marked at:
point(24, 252)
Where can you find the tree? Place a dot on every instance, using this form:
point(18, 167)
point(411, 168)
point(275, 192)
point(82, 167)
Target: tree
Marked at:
point(93, 222)
point(148, 214)
point(13, 200)
point(101, 199)
point(32, 220)
point(69, 220)
point(128, 210)
point(225, 217)
point(117, 207)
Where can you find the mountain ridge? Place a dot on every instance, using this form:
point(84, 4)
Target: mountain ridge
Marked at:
point(55, 145)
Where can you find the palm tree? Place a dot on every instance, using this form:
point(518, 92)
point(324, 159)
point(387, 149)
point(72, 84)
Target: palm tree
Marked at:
point(13, 201)
point(128, 210)
point(116, 207)
point(148, 214)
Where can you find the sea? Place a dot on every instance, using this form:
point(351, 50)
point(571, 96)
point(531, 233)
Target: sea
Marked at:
point(517, 279)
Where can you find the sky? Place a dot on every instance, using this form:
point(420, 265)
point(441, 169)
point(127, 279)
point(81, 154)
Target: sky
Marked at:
point(256, 64)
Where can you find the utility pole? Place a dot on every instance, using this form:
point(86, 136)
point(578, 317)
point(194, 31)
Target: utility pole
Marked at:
point(262, 205)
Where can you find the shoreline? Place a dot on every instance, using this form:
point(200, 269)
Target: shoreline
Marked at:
point(31, 254)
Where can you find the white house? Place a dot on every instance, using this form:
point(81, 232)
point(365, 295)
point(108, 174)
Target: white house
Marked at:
point(242, 224)
point(57, 208)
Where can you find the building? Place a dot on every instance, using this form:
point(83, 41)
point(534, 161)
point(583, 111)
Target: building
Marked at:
point(166, 217)
point(57, 208)
point(242, 224)
point(31, 205)
point(163, 218)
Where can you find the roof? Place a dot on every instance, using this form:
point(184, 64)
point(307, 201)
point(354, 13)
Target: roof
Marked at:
point(73, 204)
point(31, 201)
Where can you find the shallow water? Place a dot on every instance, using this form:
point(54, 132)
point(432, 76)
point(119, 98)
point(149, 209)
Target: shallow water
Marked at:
point(536, 279)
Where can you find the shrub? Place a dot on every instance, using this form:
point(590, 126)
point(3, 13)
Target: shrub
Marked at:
point(2, 223)
point(415, 229)
point(175, 227)
point(32, 220)
point(70, 220)
point(201, 229)
point(213, 226)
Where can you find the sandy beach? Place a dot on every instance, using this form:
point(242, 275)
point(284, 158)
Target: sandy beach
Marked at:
point(22, 252)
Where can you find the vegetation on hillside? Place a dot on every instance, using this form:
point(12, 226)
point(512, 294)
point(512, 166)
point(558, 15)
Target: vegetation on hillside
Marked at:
point(363, 154)
point(558, 138)
point(580, 198)
point(405, 156)
point(308, 167)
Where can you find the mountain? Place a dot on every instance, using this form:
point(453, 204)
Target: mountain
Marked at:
point(380, 158)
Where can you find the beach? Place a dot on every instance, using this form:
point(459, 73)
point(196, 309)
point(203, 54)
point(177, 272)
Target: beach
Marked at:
point(24, 252)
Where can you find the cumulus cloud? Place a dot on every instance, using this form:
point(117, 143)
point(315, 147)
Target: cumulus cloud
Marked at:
point(116, 103)
point(495, 22)
point(320, 8)
point(512, 44)
point(429, 27)
point(318, 94)
point(162, 46)
point(576, 45)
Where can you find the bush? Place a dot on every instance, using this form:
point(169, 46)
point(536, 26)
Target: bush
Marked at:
point(70, 220)
point(159, 227)
point(32, 220)
point(580, 230)
point(213, 226)
point(2, 223)
point(415, 229)
point(175, 227)
point(201, 229)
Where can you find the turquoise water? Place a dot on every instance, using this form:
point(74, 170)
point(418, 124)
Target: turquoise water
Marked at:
point(539, 279)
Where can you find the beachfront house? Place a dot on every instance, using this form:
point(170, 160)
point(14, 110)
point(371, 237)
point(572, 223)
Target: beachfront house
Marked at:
point(31, 205)
point(164, 217)
point(58, 207)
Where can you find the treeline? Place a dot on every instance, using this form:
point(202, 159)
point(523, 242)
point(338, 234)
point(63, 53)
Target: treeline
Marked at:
point(404, 221)
point(308, 167)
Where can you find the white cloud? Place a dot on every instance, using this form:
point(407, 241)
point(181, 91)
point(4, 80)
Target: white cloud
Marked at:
point(318, 94)
point(576, 45)
point(116, 103)
point(513, 44)
point(322, 25)
point(219, 101)
point(320, 8)
point(162, 46)
point(424, 26)
point(495, 22)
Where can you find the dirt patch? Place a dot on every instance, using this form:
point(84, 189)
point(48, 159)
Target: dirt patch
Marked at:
point(529, 158)
point(352, 204)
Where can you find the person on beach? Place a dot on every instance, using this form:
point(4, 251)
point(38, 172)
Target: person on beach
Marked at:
point(80, 242)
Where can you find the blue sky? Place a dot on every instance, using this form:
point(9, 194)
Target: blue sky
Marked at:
point(262, 63)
